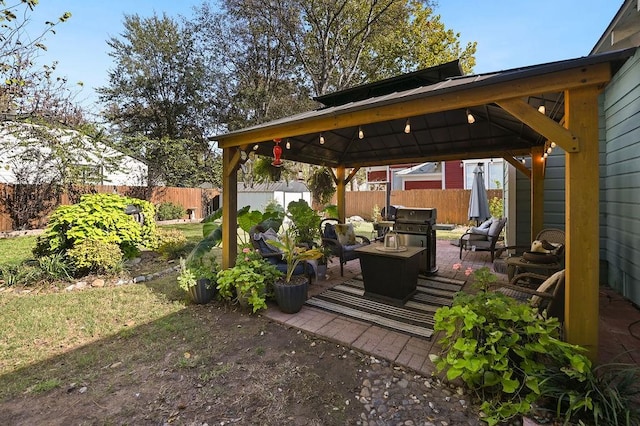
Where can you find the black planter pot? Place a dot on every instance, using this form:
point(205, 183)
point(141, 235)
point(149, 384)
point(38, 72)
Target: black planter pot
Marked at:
point(291, 296)
point(200, 294)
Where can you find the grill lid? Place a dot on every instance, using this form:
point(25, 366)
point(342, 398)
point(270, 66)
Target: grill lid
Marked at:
point(416, 215)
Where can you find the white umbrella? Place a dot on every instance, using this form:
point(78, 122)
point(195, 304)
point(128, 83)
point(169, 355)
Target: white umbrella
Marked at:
point(478, 202)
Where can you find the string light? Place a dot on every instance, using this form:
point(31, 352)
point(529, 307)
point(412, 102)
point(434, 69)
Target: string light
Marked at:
point(360, 133)
point(553, 144)
point(321, 139)
point(288, 145)
point(255, 147)
point(470, 118)
point(407, 127)
point(549, 150)
point(542, 109)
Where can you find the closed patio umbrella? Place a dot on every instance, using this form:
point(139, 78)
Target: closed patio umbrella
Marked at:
point(478, 202)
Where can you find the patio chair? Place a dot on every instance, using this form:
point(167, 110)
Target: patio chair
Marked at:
point(545, 293)
point(341, 239)
point(551, 235)
point(271, 254)
point(483, 237)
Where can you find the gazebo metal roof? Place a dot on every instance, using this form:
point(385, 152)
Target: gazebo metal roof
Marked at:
point(430, 101)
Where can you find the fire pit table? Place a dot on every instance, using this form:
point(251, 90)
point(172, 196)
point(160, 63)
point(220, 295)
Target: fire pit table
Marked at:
point(390, 275)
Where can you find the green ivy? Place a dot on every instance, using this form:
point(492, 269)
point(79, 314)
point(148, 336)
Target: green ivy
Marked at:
point(249, 279)
point(502, 349)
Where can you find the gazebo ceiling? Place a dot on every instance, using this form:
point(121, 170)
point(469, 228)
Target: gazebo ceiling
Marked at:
point(435, 101)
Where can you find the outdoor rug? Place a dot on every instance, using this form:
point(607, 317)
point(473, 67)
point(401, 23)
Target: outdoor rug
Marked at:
point(415, 317)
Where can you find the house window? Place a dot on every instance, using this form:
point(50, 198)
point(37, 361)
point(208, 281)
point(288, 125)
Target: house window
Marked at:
point(493, 176)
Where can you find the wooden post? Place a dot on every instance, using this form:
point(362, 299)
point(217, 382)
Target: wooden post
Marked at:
point(537, 190)
point(340, 193)
point(230, 163)
point(582, 221)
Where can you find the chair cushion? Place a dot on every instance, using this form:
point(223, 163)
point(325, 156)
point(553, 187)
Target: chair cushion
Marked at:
point(262, 237)
point(546, 286)
point(495, 228)
point(346, 234)
point(330, 231)
point(484, 225)
point(474, 237)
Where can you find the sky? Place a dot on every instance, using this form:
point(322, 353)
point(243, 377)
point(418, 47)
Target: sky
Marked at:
point(510, 33)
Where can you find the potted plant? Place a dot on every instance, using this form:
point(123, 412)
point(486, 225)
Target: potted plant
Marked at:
point(198, 278)
point(247, 281)
point(323, 262)
point(291, 290)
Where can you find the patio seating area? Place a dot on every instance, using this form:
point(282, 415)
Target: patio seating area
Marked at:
point(619, 319)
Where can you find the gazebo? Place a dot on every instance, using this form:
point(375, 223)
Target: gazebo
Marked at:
point(438, 114)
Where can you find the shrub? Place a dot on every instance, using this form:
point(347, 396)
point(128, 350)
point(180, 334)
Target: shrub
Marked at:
point(249, 279)
point(171, 243)
point(501, 349)
point(169, 211)
point(513, 358)
point(99, 217)
point(44, 269)
point(96, 256)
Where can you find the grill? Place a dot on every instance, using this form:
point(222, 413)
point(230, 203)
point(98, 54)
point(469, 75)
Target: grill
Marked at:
point(416, 228)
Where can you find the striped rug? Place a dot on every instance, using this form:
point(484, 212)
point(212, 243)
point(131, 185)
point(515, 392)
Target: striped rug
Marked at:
point(415, 317)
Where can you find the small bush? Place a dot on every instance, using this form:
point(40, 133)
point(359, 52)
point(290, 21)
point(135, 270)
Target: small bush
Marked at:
point(171, 243)
point(96, 256)
point(169, 211)
point(100, 217)
point(55, 268)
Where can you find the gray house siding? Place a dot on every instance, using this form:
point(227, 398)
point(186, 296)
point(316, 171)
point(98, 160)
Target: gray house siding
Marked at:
point(621, 193)
point(554, 198)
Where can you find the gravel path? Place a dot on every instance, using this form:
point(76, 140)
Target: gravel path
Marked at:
point(394, 396)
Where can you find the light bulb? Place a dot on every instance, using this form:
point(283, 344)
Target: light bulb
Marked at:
point(255, 147)
point(523, 161)
point(553, 144)
point(470, 118)
point(549, 150)
point(545, 155)
point(542, 109)
point(288, 145)
point(360, 133)
point(407, 127)
point(321, 139)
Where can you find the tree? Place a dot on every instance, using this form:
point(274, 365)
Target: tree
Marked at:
point(256, 76)
point(156, 99)
point(337, 44)
point(29, 90)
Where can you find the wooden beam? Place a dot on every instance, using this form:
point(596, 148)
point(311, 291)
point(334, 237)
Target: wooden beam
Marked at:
point(582, 253)
point(518, 165)
point(352, 173)
point(456, 98)
point(444, 157)
point(340, 193)
point(229, 207)
point(540, 123)
point(537, 190)
point(233, 161)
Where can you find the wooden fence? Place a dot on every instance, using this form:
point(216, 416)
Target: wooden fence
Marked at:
point(452, 204)
point(194, 200)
